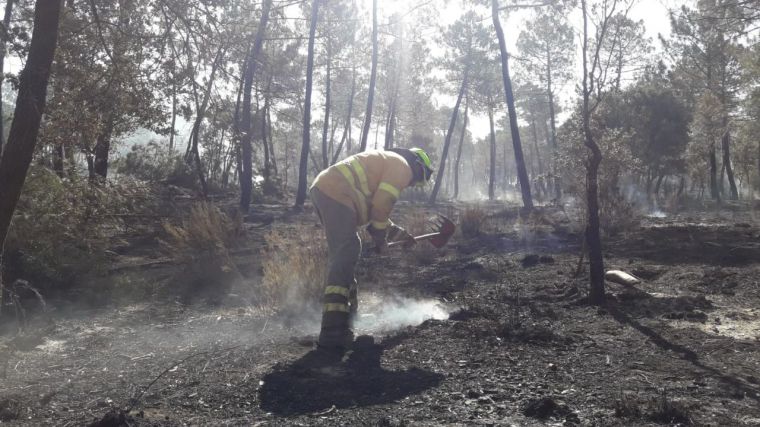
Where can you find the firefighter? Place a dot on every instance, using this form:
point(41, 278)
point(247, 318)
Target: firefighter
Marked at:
point(360, 190)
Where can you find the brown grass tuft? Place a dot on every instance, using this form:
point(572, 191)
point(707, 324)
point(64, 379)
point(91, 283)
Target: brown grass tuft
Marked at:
point(295, 269)
point(471, 221)
point(202, 243)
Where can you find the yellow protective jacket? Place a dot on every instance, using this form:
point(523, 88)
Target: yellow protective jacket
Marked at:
point(369, 183)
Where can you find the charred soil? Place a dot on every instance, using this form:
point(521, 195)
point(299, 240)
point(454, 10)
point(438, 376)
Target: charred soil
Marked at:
point(521, 346)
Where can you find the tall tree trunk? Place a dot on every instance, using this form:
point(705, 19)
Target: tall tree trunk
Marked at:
point(538, 179)
point(326, 124)
point(201, 108)
point(726, 143)
point(593, 233)
point(390, 127)
point(270, 138)
point(372, 77)
point(30, 105)
point(59, 154)
point(103, 140)
point(303, 168)
point(246, 173)
point(522, 172)
point(657, 186)
point(349, 116)
point(447, 141)
point(103, 147)
point(174, 115)
point(459, 148)
point(4, 35)
point(345, 139)
point(492, 156)
point(267, 154)
point(714, 192)
point(505, 172)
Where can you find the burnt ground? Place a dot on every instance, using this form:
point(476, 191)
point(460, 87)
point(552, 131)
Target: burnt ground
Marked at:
point(520, 347)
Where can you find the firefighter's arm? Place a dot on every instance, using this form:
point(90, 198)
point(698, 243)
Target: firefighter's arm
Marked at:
point(380, 226)
point(393, 180)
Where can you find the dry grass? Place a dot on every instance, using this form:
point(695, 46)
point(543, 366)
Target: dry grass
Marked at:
point(207, 232)
point(295, 269)
point(202, 243)
point(471, 220)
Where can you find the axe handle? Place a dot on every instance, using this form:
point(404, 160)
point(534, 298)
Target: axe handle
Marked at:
point(416, 238)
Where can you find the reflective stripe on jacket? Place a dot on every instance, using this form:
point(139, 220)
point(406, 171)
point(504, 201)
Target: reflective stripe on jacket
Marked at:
point(369, 183)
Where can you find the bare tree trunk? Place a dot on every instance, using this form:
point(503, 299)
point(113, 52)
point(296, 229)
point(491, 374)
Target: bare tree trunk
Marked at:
point(270, 138)
point(593, 233)
point(30, 105)
point(305, 146)
point(657, 186)
point(103, 142)
point(372, 78)
point(714, 192)
point(461, 143)
point(4, 35)
point(103, 147)
point(726, 143)
point(390, 127)
point(492, 157)
point(267, 154)
point(447, 141)
point(246, 172)
point(58, 156)
point(201, 108)
point(538, 179)
point(174, 116)
point(522, 173)
point(326, 124)
point(505, 171)
point(346, 138)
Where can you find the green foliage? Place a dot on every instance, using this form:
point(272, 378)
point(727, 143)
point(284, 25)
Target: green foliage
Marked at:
point(154, 163)
point(616, 212)
point(62, 228)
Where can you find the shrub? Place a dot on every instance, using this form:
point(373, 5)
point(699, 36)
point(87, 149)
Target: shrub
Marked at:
point(62, 228)
point(471, 220)
point(202, 243)
point(154, 163)
point(295, 269)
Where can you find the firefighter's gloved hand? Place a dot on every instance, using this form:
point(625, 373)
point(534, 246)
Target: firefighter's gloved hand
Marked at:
point(379, 237)
point(398, 234)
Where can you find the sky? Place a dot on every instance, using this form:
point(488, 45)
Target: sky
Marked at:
point(654, 14)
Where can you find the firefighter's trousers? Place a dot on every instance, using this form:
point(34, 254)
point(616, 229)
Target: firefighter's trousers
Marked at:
point(344, 249)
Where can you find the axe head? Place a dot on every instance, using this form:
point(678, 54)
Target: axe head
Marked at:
point(445, 229)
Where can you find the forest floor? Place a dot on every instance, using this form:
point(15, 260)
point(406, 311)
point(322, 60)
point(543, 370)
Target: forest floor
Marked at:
point(509, 340)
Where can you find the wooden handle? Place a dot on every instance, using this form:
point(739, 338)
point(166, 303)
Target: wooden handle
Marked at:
point(416, 238)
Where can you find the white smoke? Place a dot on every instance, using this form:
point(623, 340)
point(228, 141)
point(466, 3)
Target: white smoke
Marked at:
point(379, 313)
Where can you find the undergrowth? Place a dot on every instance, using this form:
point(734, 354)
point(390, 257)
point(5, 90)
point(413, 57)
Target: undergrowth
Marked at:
point(471, 221)
point(63, 228)
point(202, 243)
point(294, 264)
